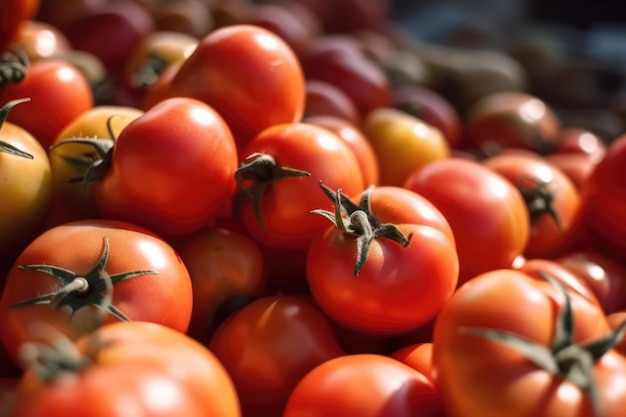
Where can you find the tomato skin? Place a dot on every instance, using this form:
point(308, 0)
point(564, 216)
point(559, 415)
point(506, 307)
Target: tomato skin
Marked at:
point(172, 196)
point(494, 210)
point(41, 40)
point(510, 384)
point(365, 385)
point(58, 91)
point(13, 14)
point(286, 204)
point(131, 248)
point(324, 98)
point(269, 345)
point(141, 361)
point(418, 356)
point(248, 74)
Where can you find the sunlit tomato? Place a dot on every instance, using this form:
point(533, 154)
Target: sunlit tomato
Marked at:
point(381, 273)
point(13, 14)
point(553, 201)
point(324, 98)
point(248, 74)
point(280, 178)
point(171, 169)
point(58, 91)
point(505, 344)
point(41, 40)
point(431, 107)
point(268, 346)
point(143, 367)
point(365, 385)
point(577, 166)
point(402, 143)
point(339, 60)
point(604, 201)
point(580, 140)
point(25, 187)
point(604, 275)
point(67, 288)
point(512, 119)
point(479, 204)
point(354, 137)
point(69, 162)
point(125, 23)
point(227, 270)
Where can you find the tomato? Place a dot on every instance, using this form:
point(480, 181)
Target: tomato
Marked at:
point(604, 202)
point(249, 75)
point(506, 342)
point(418, 356)
point(59, 92)
point(512, 119)
point(69, 162)
point(227, 269)
point(269, 345)
point(144, 367)
point(365, 385)
point(362, 269)
point(354, 137)
point(477, 202)
point(61, 278)
point(324, 98)
point(339, 60)
point(189, 17)
point(26, 186)
point(605, 276)
point(577, 166)
point(580, 140)
point(274, 201)
point(13, 14)
point(41, 40)
point(402, 143)
point(553, 201)
point(143, 183)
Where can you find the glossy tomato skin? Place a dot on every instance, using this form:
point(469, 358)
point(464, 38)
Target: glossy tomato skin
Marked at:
point(41, 40)
point(248, 74)
point(59, 92)
point(286, 205)
point(269, 345)
point(136, 363)
point(162, 295)
point(366, 385)
point(172, 169)
point(509, 383)
point(476, 201)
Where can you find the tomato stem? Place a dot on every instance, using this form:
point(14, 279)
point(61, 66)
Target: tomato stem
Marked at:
point(7, 147)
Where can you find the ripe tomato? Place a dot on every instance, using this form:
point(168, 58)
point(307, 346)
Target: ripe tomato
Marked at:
point(25, 187)
point(275, 202)
point(480, 204)
point(41, 40)
point(402, 143)
point(172, 196)
point(364, 385)
point(13, 14)
point(59, 92)
point(418, 356)
point(523, 336)
point(553, 201)
point(149, 281)
point(227, 269)
point(69, 162)
point(268, 346)
point(143, 367)
point(248, 74)
point(324, 98)
point(362, 269)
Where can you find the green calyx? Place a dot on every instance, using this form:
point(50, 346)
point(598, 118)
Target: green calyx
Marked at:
point(7, 147)
point(539, 197)
point(261, 171)
point(13, 66)
point(91, 289)
point(564, 358)
point(358, 221)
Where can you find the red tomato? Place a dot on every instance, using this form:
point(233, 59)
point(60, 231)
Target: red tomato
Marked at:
point(276, 203)
point(41, 40)
point(324, 98)
point(268, 346)
point(364, 385)
point(418, 356)
point(59, 92)
point(143, 367)
point(172, 196)
point(553, 201)
point(248, 74)
point(504, 345)
point(65, 288)
point(362, 270)
point(13, 14)
point(480, 204)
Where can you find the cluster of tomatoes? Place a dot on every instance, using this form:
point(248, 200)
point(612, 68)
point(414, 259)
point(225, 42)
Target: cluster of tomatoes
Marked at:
point(271, 209)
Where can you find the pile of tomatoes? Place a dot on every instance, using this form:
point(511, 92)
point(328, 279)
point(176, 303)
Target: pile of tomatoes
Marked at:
point(283, 209)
